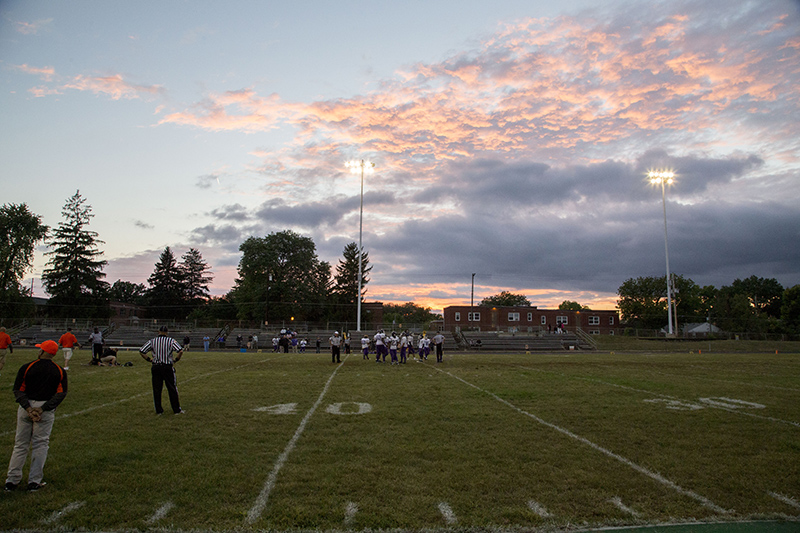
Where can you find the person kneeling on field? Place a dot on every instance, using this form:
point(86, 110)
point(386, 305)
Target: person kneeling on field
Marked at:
point(109, 358)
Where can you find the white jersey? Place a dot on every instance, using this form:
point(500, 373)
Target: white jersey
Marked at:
point(393, 340)
point(364, 342)
point(422, 342)
point(335, 340)
point(427, 342)
point(404, 341)
point(379, 338)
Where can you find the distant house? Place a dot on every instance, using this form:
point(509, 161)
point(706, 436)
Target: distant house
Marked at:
point(700, 329)
point(528, 319)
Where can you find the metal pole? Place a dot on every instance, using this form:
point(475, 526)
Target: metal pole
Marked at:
point(666, 253)
point(360, 248)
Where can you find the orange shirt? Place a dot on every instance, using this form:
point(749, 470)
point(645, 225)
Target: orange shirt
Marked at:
point(67, 340)
point(5, 340)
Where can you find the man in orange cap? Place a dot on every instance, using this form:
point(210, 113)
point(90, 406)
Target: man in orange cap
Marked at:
point(40, 387)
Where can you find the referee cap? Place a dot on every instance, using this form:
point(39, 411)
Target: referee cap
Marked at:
point(48, 346)
point(163, 329)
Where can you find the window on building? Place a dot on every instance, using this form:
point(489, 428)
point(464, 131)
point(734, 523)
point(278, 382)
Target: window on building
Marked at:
point(513, 317)
point(594, 332)
point(562, 320)
point(530, 317)
point(474, 317)
point(594, 320)
point(611, 320)
point(458, 316)
point(544, 319)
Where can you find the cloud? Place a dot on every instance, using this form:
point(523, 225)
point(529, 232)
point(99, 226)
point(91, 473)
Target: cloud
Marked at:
point(142, 224)
point(114, 86)
point(32, 28)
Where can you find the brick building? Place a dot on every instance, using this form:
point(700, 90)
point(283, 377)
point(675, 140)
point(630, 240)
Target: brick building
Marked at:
point(528, 319)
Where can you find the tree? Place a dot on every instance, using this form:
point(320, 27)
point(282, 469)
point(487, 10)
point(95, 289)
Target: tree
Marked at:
point(764, 294)
point(166, 296)
point(408, 313)
point(127, 292)
point(281, 278)
point(345, 289)
point(505, 299)
point(642, 302)
point(195, 277)
point(568, 305)
point(20, 230)
point(790, 309)
point(74, 275)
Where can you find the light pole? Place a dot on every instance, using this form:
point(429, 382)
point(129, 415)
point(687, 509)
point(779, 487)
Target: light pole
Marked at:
point(356, 167)
point(665, 178)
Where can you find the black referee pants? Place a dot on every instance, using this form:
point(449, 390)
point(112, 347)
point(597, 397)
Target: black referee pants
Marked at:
point(165, 375)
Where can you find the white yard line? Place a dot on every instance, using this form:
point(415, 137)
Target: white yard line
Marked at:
point(56, 516)
point(447, 513)
point(617, 501)
point(350, 511)
point(538, 509)
point(261, 501)
point(160, 513)
point(785, 499)
point(642, 470)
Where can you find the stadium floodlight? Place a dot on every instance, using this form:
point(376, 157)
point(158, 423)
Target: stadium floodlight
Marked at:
point(664, 178)
point(363, 167)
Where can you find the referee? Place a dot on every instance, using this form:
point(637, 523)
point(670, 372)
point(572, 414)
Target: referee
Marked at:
point(162, 370)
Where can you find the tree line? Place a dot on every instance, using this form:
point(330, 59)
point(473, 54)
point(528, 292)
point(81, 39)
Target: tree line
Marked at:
point(754, 304)
point(280, 277)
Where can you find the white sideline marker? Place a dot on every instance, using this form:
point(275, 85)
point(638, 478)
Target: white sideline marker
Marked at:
point(617, 501)
point(160, 513)
point(350, 511)
point(56, 516)
point(642, 470)
point(538, 509)
point(785, 499)
point(261, 501)
point(447, 513)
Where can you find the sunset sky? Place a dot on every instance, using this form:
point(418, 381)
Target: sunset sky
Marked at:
point(511, 138)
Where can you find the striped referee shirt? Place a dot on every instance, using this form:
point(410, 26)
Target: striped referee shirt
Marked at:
point(162, 348)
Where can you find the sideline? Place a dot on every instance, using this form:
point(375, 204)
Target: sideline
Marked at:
point(642, 470)
point(261, 501)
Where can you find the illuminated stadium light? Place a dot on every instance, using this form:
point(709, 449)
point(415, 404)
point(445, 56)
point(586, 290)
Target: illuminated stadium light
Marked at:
point(364, 167)
point(664, 178)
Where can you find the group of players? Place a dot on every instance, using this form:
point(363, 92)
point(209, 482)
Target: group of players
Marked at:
point(402, 344)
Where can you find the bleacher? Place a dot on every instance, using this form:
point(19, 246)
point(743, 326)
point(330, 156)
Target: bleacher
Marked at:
point(507, 342)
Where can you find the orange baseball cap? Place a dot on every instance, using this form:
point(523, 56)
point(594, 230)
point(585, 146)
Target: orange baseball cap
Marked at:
point(50, 347)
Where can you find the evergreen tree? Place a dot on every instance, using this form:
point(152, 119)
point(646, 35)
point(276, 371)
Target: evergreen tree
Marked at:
point(345, 290)
point(195, 276)
point(74, 275)
point(166, 295)
point(20, 230)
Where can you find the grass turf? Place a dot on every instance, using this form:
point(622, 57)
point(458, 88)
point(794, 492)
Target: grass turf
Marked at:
point(525, 442)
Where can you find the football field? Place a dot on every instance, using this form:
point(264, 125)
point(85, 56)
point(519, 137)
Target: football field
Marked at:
point(539, 442)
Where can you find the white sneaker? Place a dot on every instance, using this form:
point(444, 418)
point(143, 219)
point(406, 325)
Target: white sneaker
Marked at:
point(66, 368)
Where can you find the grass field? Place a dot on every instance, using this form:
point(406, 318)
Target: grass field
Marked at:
point(562, 441)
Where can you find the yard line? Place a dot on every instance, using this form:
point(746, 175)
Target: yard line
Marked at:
point(447, 513)
point(642, 470)
point(617, 501)
point(538, 509)
point(350, 511)
point(785, 499)
point(261, 501)
point(56, 516)
point(657, 394)
point(160, 513)
point(147, 393)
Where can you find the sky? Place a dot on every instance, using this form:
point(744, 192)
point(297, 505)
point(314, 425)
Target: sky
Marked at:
point(511, 139)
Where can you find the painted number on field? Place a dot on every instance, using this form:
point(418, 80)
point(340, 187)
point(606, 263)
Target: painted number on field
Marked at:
point(349, 408)
point(280, 409)
point(723, 403)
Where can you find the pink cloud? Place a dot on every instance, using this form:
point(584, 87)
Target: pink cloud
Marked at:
point(115, 86)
